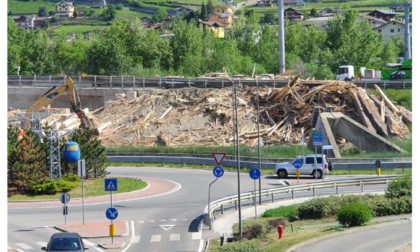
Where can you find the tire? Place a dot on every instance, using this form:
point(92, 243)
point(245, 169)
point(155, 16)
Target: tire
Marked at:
point(282, 173)
point(317, 174)
point(330, 166)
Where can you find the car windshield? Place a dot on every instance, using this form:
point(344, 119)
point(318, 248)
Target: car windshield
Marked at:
point(65, 244)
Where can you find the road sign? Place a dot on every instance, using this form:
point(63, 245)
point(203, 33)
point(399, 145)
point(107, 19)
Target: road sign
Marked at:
point(111, 213)
point(218, 157)
point(64, 198)
point(111, 184)
point(81, 168)
point(297, 164)
point(218, 171)
point(254, 173)
point(318, 137)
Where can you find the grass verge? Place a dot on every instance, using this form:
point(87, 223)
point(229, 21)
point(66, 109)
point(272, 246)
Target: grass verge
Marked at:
point(91, 187)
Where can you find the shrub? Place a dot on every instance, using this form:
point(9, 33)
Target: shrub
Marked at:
point(355, 214)
point(288, 212)
point(318, 208)
point(243, 246)
point(252, 229)
point(399, 188)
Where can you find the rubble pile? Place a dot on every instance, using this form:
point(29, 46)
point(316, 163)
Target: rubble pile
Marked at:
point(205, 117)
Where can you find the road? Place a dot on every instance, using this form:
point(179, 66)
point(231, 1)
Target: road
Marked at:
point(169, 222)
point(386, 237)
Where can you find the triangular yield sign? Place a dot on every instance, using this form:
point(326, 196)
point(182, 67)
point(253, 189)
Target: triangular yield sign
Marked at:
point(218, 157)
point(166, 227)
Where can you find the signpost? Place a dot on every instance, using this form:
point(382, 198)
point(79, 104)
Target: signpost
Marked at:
point(65, 198)
point(218, 171)
point(255, 174)
point(297, 164)
point(218, 157)
point(111, 184)
point(81, 171)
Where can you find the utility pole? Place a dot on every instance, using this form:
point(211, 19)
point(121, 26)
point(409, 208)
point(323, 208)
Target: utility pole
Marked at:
point(282, 65)
point(407, 47)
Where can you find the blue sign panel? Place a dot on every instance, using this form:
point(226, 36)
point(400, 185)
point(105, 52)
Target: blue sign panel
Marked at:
point(111, 184)
point(254, 173)
point(297, 164)
point(318, 137)
point(111, 213)
point(218, 171)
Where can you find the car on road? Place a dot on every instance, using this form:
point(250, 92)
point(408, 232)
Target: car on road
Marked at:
point(315, 165)
point(66, 241)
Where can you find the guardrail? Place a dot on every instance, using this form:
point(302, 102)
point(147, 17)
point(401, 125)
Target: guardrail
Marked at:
point(251, 163)
point(136, 82)
point(270, 194)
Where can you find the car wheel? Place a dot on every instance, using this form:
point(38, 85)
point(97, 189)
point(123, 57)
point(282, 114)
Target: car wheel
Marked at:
point(282, 173)
point(330, 166)
point(317, 174)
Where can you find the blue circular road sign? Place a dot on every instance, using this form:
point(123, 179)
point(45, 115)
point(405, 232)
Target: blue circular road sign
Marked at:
point(254, 173)
point(218, 171)
point(111, 213)
point(297, 164)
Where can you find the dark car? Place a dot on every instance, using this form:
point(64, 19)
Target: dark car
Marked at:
point(66, 241)
point(400, 74)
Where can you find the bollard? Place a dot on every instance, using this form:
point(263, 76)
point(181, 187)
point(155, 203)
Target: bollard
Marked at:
point(378, 165)
point(280, 230)
point(111, 230)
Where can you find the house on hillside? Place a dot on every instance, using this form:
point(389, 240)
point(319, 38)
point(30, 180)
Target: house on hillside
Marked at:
point(223, 16)
point(392, 29)
point(29, 22)
point(64, 9)
point(293, 2)
point(293, 15)
point(387, 15)
point(375, 22)
point(327, 12)
point(217, 29)
point(265, 3)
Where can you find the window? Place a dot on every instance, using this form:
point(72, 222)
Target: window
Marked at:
point(399, 30)
point(392, 30)
point(310, 160)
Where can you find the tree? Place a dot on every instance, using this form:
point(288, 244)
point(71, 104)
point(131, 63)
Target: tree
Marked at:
point(159, 15)
point(110, 12)
point(42, 11)
point(268, 18)
point(204, 14)
point(92, 151)
point(27, 165)
point(352, 42)
point(70, 58)
point(210, 7)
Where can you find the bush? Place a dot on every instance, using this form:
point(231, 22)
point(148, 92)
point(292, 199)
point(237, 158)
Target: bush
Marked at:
point(243, 246)
point(399, 188)
point(252, 229)
point(355, 214)
point(318, 208)
point(288, 212)
point(55, 186)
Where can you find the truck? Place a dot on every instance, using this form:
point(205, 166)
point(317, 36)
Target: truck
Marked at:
point(392, 71)
point(75, 105)
point(315, 165)
point(346, 73)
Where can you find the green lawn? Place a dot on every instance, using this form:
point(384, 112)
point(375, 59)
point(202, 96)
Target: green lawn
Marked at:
point(91, 187)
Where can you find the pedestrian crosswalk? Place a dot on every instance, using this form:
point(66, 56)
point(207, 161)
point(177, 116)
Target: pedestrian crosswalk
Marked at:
point(154, 238)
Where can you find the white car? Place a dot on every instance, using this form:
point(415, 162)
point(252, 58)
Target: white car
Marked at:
point(315, 165)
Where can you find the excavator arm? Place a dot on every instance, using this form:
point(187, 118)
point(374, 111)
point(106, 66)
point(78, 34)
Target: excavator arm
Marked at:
point(75, 106)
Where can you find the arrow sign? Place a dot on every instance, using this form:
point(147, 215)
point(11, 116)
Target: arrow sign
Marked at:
point(218, 157)
point(297, 164)
point(111, 213)
point(166, 227)
point(254, 173)
point(218, 171)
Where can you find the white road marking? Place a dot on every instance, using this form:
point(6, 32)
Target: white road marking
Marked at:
point(42, 244)
point(23, 245)
point(166, 227)
point(200, 248)
point(174, 237)
point(196, 235)
point(173, 219)
point(140, 221)
point(156, 238)
point(135, 239)
point(162, 220)
point(151, 220)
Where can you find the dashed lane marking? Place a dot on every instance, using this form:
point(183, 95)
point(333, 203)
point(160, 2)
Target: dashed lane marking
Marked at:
point(174, 237)
point(156, 238)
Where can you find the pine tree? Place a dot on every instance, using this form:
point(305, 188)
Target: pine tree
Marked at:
point(91, 151)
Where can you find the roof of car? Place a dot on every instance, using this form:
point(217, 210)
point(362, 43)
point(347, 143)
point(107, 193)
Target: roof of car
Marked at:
point(66, 234)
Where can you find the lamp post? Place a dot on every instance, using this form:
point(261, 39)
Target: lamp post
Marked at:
point(258, 136)
point(236, 132)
